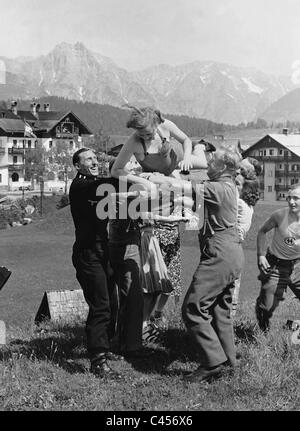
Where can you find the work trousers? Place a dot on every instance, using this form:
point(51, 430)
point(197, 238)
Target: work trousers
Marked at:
point(282, 274)
point(206, 309)
point(126, 266)
point(91, 273)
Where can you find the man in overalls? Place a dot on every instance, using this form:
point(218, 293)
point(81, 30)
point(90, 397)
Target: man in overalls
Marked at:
point(206, 309)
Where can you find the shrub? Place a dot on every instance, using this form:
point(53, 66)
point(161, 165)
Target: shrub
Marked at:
point(63, 202)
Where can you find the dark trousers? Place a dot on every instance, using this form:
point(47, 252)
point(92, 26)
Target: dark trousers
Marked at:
point(206, 309)
point(91, 273)
point(125, 262)
point(282, 274)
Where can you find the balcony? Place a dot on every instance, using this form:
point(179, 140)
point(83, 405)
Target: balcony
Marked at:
point(282, 188)
point(278, 159)
point(16, 167)
point(15, 150)
point(282, 173)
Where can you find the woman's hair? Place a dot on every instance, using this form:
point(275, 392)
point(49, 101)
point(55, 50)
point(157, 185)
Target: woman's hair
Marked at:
point(229, 156)
point(250, 192)
point(253, 170)
point(256, 164)
point(143, 118)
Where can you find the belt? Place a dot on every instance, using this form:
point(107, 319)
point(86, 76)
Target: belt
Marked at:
point(282, 261)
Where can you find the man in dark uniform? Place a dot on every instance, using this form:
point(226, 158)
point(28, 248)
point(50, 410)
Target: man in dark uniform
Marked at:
point(90, 258)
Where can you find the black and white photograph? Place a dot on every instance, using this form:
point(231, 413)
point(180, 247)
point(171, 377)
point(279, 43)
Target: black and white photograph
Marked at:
point(150, 208)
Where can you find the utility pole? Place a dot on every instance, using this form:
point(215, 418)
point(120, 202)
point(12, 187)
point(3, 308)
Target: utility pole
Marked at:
point(66, 179)
point(42, 192)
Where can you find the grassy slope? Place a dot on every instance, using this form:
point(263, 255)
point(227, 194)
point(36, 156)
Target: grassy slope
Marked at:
point(45, 368)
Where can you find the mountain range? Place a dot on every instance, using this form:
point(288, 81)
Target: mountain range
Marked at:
point(215, 91)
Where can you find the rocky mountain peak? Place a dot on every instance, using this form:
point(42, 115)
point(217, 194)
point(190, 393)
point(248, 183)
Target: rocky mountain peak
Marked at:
point(206, 89)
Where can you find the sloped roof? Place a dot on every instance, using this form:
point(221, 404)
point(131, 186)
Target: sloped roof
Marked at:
point(290, 142)
point(44, 121)
point(12, 125)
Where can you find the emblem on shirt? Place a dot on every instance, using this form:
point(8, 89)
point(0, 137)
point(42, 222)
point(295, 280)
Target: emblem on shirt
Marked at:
point(290, 240)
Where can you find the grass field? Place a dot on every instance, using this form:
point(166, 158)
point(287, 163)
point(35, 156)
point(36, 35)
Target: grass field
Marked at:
point(45, 367)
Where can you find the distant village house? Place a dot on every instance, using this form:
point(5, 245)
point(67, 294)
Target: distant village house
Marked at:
point(22, 130)
point(279, 154)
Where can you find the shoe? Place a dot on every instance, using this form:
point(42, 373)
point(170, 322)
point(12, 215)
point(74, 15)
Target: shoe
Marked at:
point(202, 374)
point(4, 275)
point(101, 369)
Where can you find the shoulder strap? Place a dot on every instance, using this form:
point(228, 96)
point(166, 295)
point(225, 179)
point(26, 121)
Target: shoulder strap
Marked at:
point(144, 147)
point(162, 137)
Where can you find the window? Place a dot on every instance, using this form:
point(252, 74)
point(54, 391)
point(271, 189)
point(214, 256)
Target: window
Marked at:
point(280, 180)
point(294, 168)
point(15, 159)
point(265, 152)
point(0, 178)
point(269, 188)
point(71, 144)
point(50, 144)
point(15, 177)
point(271, 152)
point(29, 143)
point(280, 166)
point(15, 142)
point(260, 153)
point(280, 152)
point(270, 173)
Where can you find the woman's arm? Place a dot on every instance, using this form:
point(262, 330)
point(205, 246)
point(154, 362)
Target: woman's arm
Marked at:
point(118, 170)
point(180, 136)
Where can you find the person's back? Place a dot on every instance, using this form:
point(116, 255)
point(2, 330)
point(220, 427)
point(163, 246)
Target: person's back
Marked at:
point(207, 304)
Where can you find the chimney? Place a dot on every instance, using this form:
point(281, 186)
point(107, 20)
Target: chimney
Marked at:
point(33, 108)
point(46, 107)
point(285, 131)
point(13, 108)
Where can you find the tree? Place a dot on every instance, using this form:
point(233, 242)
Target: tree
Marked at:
point(35, 163)
point(60, 161)
point(101, 142)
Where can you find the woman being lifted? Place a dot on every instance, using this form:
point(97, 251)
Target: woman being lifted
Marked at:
point(151, 145)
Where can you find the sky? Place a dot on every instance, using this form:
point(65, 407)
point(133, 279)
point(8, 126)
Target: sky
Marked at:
point(136, 34)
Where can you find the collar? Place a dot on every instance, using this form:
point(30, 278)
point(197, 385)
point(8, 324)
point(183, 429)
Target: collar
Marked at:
point(86, 177)
point(222, 179)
